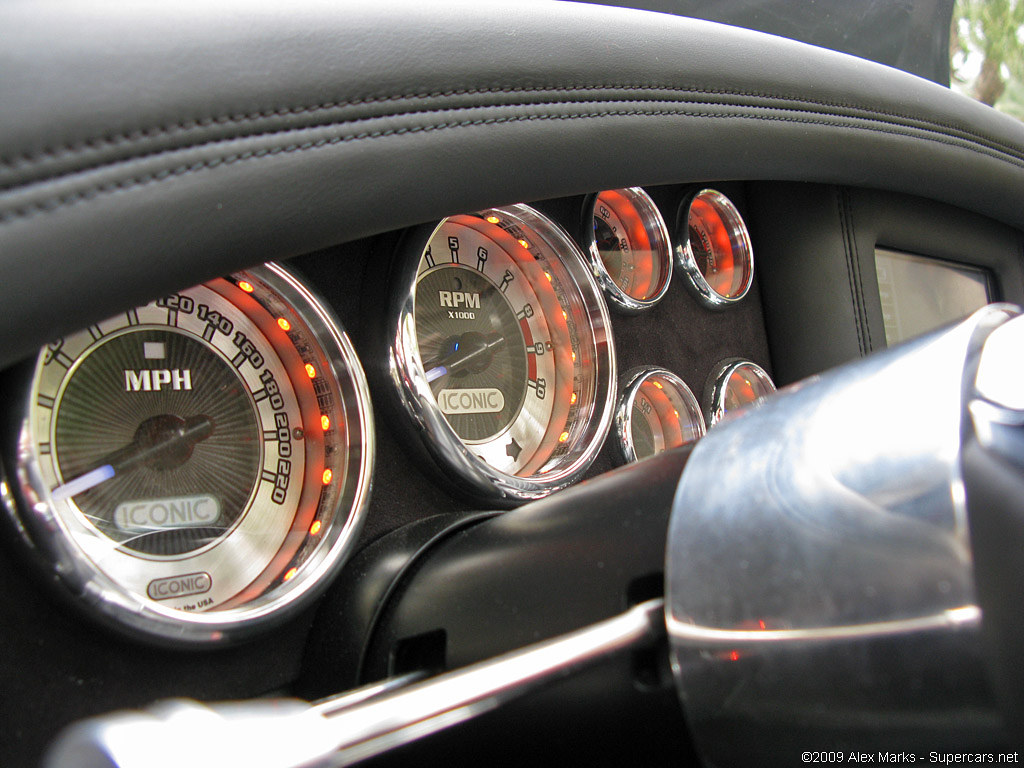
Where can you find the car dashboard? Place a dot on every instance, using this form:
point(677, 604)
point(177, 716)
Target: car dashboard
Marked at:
point(160, 160)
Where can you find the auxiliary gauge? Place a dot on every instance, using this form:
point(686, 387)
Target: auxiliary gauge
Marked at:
point(501, 352)
point(629, 248)
point(197, 468)
point(657, 412)
point(734, 384)
point(713, 249)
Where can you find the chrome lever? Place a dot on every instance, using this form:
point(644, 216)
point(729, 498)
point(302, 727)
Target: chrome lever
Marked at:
point(342, 730)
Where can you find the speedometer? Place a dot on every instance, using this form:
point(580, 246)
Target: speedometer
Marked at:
point(502, 353)
point(197, 466)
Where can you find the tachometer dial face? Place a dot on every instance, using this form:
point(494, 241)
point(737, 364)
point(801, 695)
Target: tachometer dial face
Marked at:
point(713, 249)
point(657, 412)
point(629, 248)
point(734, 384)
point(201, 461)
point(503, 353)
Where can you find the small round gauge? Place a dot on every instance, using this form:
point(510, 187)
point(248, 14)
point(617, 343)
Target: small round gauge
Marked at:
point(734, 384)
point(196, 468)
point(713, 249)
point(657, 412)
point(629, 248)
point(502, 352)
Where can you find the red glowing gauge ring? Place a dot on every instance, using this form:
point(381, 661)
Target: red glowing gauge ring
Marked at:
point(197, 469)
point(629, 248)
point(657, 412)
point(713, 249)
point(501, 353)
point(734, 384)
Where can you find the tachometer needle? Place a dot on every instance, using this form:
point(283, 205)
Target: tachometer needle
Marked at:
point(473, 351)
point(162, 442)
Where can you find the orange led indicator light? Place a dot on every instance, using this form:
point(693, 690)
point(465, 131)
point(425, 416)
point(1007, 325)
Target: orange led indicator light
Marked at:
point(246, 286)
point(327, 476)
point(493, 219)
point(524, 244)
point(285, 325)
point(572, 400)
point(290, 574)
point(310, 371)
point(563, 437)
point(314, 529)
point(325, 422)
point(657, 384)
point(548, 276)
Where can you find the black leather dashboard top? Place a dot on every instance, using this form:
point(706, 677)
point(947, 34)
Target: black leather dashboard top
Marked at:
point(146, 147)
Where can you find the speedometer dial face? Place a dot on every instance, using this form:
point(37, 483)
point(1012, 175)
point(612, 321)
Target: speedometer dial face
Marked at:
point(629, 248)
point(201, 461)
point(503, 352)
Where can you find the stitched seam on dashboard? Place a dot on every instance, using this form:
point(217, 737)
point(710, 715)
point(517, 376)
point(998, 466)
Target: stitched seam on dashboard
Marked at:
point(230, 159)
point(855, 299)
point(949, 139)
point(858, 278)
point(93, 144)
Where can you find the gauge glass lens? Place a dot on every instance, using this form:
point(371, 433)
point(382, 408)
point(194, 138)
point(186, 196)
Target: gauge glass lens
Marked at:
point(734, 385)
point(512, 343)
point(629, 248)
point(204, 455)
point(714, 249)
point(657, 412)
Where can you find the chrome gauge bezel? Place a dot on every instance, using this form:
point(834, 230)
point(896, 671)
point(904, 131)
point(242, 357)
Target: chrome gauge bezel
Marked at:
point(717, 386)
point(108, 600)
point(458, 464)
point(739, 237)
point(653, 224)
point(629, 387)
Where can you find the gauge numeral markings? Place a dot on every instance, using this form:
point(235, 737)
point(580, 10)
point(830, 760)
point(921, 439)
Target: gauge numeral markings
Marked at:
point(539, 386)
point(278, 479)
point(506, 280)
point(481, 258)
point(525, 312)
point(55, 354)
point(453, 246)
point(429, 256)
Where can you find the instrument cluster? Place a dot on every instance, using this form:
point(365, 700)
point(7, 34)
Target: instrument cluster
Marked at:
point(197, 470)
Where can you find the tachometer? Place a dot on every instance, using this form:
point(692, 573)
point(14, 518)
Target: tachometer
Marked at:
point(502, 352)
point(196, 466)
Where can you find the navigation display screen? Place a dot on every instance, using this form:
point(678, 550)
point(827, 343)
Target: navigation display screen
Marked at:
point(920, 294)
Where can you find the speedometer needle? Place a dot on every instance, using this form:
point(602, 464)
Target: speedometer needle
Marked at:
point(472, 350)
point(162, 442)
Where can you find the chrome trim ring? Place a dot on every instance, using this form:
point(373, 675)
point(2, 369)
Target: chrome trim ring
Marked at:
point(716, 390)
point(678, 397)
point(302, 564)
point(589, 376)
point(697, 267)
point(617, 205)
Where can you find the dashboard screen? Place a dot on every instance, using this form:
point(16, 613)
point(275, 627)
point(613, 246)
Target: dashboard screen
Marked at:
point(920, 294)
